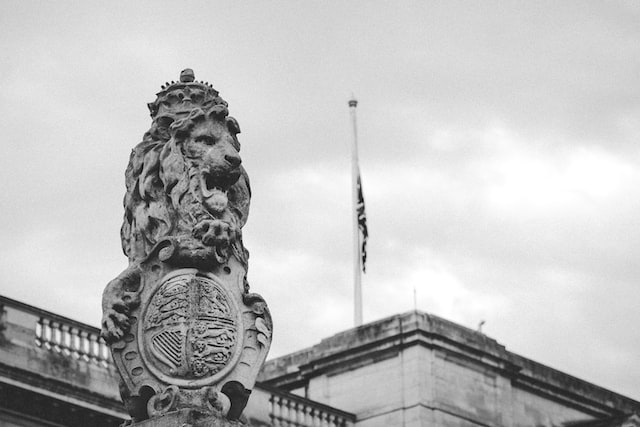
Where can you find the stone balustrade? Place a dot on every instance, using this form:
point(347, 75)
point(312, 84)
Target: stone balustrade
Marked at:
point(80, 342)
point(62, 350)
point(58, 334)
point(289, 410)
point(55, 369)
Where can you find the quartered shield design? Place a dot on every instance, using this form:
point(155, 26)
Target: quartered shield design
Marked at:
point(190, 329)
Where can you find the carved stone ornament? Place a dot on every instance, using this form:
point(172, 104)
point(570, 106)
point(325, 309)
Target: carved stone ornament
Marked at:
point(186, 336)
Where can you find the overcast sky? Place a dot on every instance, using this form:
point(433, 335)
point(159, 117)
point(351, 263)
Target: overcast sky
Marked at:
point(499, 150)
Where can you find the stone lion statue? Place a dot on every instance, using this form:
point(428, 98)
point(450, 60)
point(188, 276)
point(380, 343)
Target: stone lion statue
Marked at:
point(187, 194)
point(186, 335)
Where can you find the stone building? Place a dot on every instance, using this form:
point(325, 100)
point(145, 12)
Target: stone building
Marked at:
point(412, 369)
point(416, 369)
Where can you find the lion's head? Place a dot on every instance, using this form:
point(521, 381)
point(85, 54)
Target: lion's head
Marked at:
point(185, 182)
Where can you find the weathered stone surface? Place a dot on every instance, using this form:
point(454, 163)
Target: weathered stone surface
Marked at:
point(184, 331)
point(189, 418)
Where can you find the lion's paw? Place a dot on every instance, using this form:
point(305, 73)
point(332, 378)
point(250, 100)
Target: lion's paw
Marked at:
point(115, 322)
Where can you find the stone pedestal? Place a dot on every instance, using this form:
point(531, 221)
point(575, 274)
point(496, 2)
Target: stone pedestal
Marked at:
point(189, 418)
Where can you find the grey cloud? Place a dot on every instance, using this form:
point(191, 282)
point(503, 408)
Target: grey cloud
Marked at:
point(555, 281)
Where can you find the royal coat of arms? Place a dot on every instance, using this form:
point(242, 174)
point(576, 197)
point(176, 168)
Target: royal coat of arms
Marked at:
point(190, 328)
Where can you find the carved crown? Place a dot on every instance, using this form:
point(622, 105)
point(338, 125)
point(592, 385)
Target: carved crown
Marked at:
point(177, 99)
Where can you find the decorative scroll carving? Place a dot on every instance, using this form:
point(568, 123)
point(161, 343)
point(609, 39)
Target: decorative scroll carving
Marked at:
point(184, 331)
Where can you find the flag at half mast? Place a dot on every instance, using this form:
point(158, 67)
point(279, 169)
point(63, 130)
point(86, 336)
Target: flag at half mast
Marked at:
point(362, 225)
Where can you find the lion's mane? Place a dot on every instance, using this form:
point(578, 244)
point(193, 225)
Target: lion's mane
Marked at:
point(159, 201)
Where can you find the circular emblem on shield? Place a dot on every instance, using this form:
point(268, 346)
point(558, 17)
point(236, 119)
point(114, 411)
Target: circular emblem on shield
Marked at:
point(190, 329)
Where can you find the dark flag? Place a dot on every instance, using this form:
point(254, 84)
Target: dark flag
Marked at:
point(362, 226)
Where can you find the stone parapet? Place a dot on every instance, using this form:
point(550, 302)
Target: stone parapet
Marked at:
point(58, 361)
point(433, 369)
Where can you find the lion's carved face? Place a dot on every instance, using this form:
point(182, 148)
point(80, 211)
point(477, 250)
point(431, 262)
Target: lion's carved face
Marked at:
point(213, 152)
point(190, 189)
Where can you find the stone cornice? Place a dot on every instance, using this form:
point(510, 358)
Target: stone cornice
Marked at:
point(385, 338)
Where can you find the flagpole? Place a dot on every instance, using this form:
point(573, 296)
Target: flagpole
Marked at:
point(357, 278)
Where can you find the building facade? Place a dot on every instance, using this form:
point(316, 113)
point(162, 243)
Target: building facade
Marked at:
point(418, 370)
point(412, 369)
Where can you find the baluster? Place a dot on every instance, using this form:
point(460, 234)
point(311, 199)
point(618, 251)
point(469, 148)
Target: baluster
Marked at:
point(55, 334)
point(46, 333)
point(295, 415)
point(282, 411)
point(104, 352)
point(71, 343)
point(302, 415)
point(96, 348)
point(99, 353)
point(51, 338)
point(59, 343)
point(65, 341)
point(291, 412)
point(58, 334)
point(276, 412)
point(93, 346)
point(299, 409)
point(83, 349)
point(39, 333)
point(307, 416)
point(85, 344)
point(286, 413)
point(312, 417)
point(308, 421)
point(75, 342)
point(272, 410)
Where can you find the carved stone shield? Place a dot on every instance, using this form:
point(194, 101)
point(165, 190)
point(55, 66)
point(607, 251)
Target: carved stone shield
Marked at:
point(190, 330)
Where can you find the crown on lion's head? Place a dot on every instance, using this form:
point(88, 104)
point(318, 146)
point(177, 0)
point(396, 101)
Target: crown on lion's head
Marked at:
point(178, 99)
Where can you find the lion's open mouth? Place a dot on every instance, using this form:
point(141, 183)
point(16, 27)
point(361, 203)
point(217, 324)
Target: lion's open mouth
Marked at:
point(214, 191)
point(211, 186)
point(215, 183)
